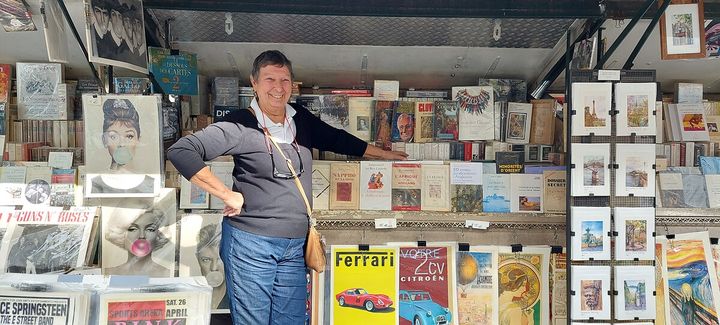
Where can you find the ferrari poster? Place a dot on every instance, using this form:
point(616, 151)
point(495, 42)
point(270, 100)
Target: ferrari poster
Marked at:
point(426, 285)
point(364, 285)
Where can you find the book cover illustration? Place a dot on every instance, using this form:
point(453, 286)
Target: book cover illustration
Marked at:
point(406, 186)
point(496, 193)
point(445, 123)
point(635, 228)
point(139, 235)
point(364, 285)
point(427, 290)
point(519, 116)
point(590, 173)
point(424, 115)
point(344, 186)
point(523, 293)
point(360, 111)
point(200, 254)
point(175, 74)
point(132, 85)
point(477, 285)
point(591, 240)
point(689, 119)
point(403, 122)
point(45, 240)
point(636, 285)
point(635, 173)
point(592, 287)
point(591, 102)
point(476, 114)
point(526, 193)
point(635, 103)
point(333, 110)
point(690, 272)
point(375, 185)
point(382, 123)
point(466, 186)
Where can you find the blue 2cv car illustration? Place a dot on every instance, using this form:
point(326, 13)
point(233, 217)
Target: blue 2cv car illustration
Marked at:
point(418, 307)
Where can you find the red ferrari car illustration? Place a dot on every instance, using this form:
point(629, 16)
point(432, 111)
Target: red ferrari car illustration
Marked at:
point(358, 297)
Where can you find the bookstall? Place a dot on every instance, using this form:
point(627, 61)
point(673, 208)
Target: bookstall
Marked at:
point(546, 182)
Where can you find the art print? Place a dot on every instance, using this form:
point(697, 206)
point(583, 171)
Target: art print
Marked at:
point(139, 235)
point(122, 134)
point(590, 227)
point(591, 103)
point(682, 31)
point(477, 286)
point(591, 299)
point(116, 34)
point(636, 172)
point(523, 293)
point(516, 125)
point(661, 292)
point(690, 279)
point(593, 170)
point(589, 169)
point(200, 254)
point(635, 103)
point(636, 300)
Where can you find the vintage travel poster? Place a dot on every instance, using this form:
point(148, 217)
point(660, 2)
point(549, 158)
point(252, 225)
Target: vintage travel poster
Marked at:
point(690, 279)
point(364, 286)
point(661, 292)
point(477, 284)
point(523, 293)
point(426, 284)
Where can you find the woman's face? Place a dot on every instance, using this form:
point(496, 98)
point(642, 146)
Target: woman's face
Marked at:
point(144, 227)
point(273, 88)
point(121, 140)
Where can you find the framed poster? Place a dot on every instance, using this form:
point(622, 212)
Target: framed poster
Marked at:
point(116, 34)
point(682, 31)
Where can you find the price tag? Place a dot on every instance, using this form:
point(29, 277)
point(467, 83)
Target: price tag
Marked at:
point(611, 75)
point(385, 223)
point(475, 224)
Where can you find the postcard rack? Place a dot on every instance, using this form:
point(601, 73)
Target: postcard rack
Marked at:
point(608, 314)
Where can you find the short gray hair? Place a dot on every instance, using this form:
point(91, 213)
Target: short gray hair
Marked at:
point(271, 57)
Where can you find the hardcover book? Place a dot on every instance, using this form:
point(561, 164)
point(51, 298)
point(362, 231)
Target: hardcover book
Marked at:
point(689, 119)
point(635, 173)
point(321, 185)
point(344, 186)
point(519, 116)
point(406, 186)
point(132, 85)
point(435, 187)
point(403, 122)
point(424, 115)
point(375, 185)
point(496, 193)
point(554, 189)
point(592, 287)
point(635, 103)
point(360, 111)
point(635, 228)
point(591, 104)
point(445, 124)
point(382, 123)
point(476, 114)
point(590, 173)
point(509, 162)
point(542, 126)
point(591, 228)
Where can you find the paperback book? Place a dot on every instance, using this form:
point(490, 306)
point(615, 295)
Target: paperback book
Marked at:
point(476, 114)
point(382, 123)
point(435, 192)
point(554, 189)
point(403, 122)
point(406, 186)
point(466, 186)
point(496, 193)
point(519, 116)
point(424, 115)
point(344, 186)
point(360, 111)
point(375, 185)
point(321, 185)
point(510, 162)
point(526, 193)
point(445, 123)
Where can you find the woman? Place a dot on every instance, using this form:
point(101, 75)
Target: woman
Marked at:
point(121, 137)
point(211, 266)
point(266, 221)
point(140, 237)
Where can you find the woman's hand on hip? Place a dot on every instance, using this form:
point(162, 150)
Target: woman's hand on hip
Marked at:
point(233, 204)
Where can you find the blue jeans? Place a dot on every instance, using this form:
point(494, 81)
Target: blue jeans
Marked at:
point(265, 276)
